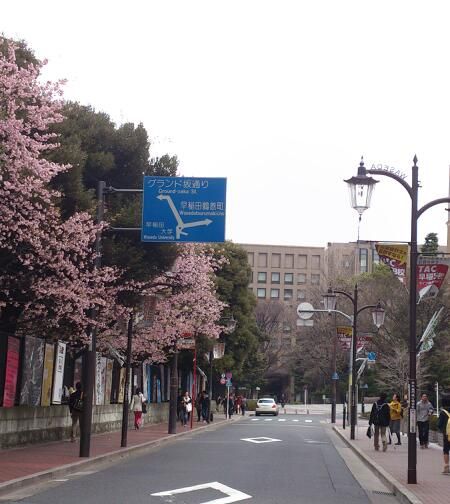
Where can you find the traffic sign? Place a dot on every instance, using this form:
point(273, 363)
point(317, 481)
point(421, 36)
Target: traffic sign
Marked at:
point(305, 311)
point(229, 375)
point(223, 381)
point(371, 357)
point(335, 376)
point(182, 209)
point(228, 383)
point(222, 375)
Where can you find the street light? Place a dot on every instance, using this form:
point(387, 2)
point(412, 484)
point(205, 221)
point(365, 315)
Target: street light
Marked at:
point(363, 184)
point(378, 312)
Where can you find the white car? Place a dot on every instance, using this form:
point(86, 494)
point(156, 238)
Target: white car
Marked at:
point(267, 405)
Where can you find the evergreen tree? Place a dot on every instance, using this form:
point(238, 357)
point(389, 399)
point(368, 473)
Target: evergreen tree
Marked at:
point(431, 245)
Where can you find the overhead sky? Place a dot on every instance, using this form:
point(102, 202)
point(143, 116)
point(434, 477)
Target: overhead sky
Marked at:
point(281, 97)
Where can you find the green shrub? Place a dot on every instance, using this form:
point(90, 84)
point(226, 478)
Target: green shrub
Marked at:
point(251, 404)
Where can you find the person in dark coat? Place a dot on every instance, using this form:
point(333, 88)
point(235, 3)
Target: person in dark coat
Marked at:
point(380, 417)
point(75, 409)
point(205, 406)
point(444, 418)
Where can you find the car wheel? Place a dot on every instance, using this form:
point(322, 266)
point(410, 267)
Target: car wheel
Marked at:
point(276, 414)
point(256, 414)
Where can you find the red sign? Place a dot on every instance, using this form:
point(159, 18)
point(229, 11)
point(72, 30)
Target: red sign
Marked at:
point(430, 274)
point(223, 381)
point(12, 368)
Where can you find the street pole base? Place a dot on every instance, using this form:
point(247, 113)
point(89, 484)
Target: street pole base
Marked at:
point(412, 477)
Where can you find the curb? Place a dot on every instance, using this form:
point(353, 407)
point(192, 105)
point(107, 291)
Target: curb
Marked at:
point(112, 456)
point(402, 493)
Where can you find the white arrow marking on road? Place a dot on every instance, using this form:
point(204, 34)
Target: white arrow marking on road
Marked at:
point(260, 440)
point(232, 495)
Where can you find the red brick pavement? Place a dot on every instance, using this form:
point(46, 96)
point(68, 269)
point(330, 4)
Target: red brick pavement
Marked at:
point(31, 459)
point(432, 487)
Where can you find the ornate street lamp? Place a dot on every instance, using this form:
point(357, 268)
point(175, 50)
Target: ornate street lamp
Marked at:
point(378, 314)
point(361, 188)
point(329, 300)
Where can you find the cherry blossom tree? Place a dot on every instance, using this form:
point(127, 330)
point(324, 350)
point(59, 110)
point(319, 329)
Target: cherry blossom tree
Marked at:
point(187, 304)
point(48, 281)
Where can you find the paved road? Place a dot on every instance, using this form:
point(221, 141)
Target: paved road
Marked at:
point(266, 460)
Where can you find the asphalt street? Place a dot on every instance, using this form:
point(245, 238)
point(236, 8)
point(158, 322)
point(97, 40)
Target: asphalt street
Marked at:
point(286, 459)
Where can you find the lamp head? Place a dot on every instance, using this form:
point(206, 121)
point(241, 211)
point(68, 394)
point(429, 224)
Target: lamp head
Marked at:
point(378, 315)
point(329, 300)
point(361, 188)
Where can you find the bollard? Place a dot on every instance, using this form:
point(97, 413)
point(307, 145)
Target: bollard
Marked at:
point(343, 417)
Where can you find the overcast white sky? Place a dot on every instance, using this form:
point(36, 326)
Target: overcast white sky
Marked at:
point(280, 97)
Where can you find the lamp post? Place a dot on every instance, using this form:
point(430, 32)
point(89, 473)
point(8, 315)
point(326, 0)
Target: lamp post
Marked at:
point(361, 188)
point(378, 313)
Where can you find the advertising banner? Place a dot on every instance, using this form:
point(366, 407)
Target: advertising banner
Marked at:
point(78, 371)
point(100, 379)
point(47, 377)
point(12, 370)
point(108, 382)
point(121, 385)
point(58, 372)
point(344, 336)
point(32, 371)
point(430, 276)
point(396, 257)
point(218, 350)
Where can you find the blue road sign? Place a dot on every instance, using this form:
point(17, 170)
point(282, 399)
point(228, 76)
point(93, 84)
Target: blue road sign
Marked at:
point(228, 384)
point(183, 209)
point(371, 356)
point(335, 376)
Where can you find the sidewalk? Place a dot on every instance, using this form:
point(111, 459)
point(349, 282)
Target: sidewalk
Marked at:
point(40, 462)
point(432, 487)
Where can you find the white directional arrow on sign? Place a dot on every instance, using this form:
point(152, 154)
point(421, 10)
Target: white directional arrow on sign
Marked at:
point(180, 224)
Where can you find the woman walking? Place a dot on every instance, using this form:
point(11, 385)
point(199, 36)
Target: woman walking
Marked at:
point(186, 408)
point(396, 417)
point(136, 406)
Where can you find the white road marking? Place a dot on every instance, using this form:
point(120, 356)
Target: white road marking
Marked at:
point(232, 495)
point(281, 420)
point(296, 420)
point(312, 441)
point(255, 419)
point(268, 419)
point(308, 421)
point(60, 480)
point(260, 440)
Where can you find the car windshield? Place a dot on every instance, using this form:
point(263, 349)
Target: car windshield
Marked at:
point(266, 401)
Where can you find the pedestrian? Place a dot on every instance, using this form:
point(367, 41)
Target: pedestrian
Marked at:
point(238, 404)
point(205, 405)
point(230, 406)
point(186, 408)
point(137, 406)
point(404, 421)
point(444, 427)
point(424, 411)
point(198, 406)
point(244, 405)
point(379, 418)
point(76, 409)
point(218, 403)
point(396, 416)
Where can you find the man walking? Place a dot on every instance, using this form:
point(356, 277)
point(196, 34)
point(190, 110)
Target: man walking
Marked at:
point(424, 411)
point(379, 418)
point(76, 409)
point(444, 419)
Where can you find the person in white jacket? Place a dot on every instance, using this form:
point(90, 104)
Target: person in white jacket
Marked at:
point(137, 405)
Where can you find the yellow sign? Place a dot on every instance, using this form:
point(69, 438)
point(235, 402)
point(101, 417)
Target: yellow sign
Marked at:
point(46, 392)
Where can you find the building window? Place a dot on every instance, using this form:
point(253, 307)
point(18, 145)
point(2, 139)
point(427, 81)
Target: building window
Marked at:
point(276, 260)
point(250, 258)
point(301, 295)
point(302, 261)
point(301, 278)
point(250, 277)
point(315, 262)
point(262, 260)
point(289, 261)
point(375, 257)
point(275, 278)
point(261, 293)
point(363, 260)
point(262, 277)
point(315, 279)
point(288, 294)
point(274, 293)
point(289, 278)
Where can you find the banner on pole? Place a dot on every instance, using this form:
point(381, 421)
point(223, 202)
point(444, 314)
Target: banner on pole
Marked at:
point(396, 257)
point(58, 373)
point(430, 276)
point(12, 370)
point(48, 375)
